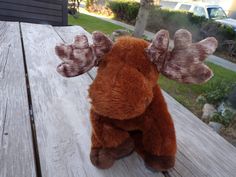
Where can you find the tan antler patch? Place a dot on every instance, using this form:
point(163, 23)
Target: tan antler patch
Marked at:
point(157, 50)
point(185, 62)
point(80, 57)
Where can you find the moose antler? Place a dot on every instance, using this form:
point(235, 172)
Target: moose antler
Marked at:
point(80, 57)
point(185, 62)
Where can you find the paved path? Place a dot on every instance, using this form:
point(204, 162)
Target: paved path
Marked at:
point(214, 59)
point(222, 62)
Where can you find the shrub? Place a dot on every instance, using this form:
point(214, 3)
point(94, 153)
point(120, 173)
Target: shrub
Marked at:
point(224, 119)
point(124, 9)
point(98, 9)
point(217, 91)
point(173, 20)
point(218, 30)
point(89, 3)
point(199, 26)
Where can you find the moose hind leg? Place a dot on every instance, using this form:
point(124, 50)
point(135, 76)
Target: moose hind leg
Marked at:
point(108, 143)
point(159, 139)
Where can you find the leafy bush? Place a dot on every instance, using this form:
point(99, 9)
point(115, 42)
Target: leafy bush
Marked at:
point(124, 9)
point(98, 9)
point(200, 27)
point(219, 31)
point(89, 3)
point(224, 119)
point(173, 20)
point(217, 91)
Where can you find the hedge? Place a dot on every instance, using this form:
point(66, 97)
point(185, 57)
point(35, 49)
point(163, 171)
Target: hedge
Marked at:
point(200, 27)
point(124, 10)
point(159, 18)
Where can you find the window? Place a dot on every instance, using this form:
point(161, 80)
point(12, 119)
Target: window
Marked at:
point(168, 5)
point(216, 13)
point(185, 7)
point(199, 11)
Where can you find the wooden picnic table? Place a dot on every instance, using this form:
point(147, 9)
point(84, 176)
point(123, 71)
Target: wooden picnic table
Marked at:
point(44, 118)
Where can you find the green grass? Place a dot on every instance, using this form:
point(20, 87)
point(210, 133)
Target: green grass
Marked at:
point(186, 94)
point(91, 24)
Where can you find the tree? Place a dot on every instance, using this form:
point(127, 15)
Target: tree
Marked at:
point(142, 17)
point(73, 6)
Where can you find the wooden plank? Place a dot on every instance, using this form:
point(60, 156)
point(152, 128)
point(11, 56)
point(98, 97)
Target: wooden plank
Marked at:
point(201, 151)
point(28, 15)
point(35, 3)
point(16, 149)
point(26, 8)
point(29, 20)
point(65, 12)
point(61, 111)
point(52, 12)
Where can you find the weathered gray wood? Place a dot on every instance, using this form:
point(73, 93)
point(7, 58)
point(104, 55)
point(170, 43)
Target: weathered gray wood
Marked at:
point(201, 152)
point(61, 111)
point(16, 149)
point(37, 11)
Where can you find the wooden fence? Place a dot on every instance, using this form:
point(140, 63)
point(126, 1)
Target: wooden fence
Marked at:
point(52, 12)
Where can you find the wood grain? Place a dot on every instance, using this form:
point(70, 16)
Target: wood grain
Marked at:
point(61, 111)
point(201, 151)
point(52, 12)
point(16, 149)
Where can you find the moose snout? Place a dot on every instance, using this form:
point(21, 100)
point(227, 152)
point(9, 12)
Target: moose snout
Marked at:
point(127, 96)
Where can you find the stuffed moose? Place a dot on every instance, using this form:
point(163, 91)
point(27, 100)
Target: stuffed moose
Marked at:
point(128, 110)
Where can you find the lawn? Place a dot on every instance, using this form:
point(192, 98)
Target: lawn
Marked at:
point(91, 24)
point(184, 93)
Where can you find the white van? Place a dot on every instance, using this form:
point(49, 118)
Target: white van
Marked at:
point(214, 12)
point(209, 11)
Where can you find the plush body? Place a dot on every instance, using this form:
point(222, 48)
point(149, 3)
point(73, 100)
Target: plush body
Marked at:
point(128, 110)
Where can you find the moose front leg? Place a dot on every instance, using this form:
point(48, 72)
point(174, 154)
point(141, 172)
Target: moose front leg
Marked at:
point(108, 142)
point(159, 139)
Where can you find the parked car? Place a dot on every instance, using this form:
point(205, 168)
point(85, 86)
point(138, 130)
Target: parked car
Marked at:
point(214, 12)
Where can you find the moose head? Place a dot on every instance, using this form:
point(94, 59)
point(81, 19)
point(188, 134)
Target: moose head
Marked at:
point(129, 68)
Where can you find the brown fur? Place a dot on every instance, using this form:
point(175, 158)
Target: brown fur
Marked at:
point(126, 98)
point(128, 109)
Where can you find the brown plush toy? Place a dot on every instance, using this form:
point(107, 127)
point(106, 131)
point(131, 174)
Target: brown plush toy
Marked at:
point(128, 109)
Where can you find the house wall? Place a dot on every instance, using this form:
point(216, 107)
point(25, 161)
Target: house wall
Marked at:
point(52, 12)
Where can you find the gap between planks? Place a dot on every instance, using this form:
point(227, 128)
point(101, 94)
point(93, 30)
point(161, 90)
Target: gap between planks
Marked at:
point(16, 148)
point(61, 118)
point(31, 113)
point(199, 148)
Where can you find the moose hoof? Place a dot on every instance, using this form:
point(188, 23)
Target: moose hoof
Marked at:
point(105, 157)
point(123, 150)
point(101, 158)
point(159, 163)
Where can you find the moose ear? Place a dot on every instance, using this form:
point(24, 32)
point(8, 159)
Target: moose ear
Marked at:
point(79, 57)
point(185, 62)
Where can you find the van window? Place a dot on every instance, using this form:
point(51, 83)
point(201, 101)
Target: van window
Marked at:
point(199, 11)
point(216, 13)
point(185, 7)
point(168, 4)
